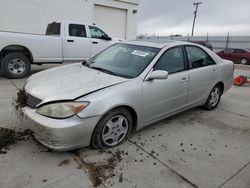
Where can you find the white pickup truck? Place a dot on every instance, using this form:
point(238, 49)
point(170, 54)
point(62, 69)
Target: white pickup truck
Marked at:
point(63, 41)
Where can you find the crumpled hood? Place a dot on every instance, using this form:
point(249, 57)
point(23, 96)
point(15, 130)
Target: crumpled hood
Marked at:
point(68, 82)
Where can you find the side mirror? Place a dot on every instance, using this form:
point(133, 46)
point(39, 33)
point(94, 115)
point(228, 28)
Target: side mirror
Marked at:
point(106, 37)
point(158, 75)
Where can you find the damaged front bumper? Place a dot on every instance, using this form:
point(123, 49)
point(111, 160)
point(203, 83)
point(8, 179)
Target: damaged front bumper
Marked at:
point(59, 134)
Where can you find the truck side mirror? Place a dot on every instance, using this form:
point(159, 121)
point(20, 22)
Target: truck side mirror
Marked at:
point(106, 37)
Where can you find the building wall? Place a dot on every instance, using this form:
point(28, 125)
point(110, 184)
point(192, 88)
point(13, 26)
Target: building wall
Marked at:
point(33, 15)
point(131, 24)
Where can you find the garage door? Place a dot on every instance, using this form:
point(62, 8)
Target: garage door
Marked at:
point(111, 20)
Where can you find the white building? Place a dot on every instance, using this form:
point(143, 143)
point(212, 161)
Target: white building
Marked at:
point(116, 17)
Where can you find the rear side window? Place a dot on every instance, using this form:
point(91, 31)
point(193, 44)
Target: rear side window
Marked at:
point(53, 29)
point(171, 61)
point(198, 58)
point(76, 30)
point(239, 51)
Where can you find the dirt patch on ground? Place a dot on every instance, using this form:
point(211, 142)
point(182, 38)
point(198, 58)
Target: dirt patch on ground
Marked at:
point(99, 172)
point(64, 162)
point(21, 99)
point(9, 137)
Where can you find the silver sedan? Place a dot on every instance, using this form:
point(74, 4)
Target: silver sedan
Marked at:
point(124, 88)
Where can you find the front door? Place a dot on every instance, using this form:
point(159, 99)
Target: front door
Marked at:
point(162, 97)
point(77, 45)
point(98, 42)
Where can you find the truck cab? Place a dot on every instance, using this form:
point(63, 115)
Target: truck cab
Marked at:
point(80, 41)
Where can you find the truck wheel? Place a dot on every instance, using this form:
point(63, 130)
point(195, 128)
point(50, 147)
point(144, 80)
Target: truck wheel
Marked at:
point(15, 65)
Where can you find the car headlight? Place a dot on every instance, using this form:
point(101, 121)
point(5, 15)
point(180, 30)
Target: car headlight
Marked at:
point(62, 110)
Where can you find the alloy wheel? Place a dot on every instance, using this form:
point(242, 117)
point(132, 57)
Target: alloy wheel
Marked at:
point(115, 130)
point(214, 96)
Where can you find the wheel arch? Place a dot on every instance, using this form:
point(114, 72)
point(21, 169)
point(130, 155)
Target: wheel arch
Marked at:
point(221, 85)
point(131, 110)
point(16, 48)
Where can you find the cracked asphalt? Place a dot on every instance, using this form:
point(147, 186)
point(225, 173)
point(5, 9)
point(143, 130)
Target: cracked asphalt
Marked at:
point(196, 148)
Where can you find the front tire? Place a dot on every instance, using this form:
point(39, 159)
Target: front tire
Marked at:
point(15, 65)
point(113, 129)
point(214, 98)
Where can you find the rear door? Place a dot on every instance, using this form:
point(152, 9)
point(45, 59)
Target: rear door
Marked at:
point(202, 74)
point(162, 97)
point(237, 55)
point(77, 45)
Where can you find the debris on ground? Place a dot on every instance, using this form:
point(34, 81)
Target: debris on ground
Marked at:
point(9, 137)
point(99, 172)
point(64, 162)
point(121, 178)
point(21, 99)
point(46, 150)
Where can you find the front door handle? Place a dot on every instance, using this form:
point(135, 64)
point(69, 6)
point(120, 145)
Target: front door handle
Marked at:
point(94, 42)
point(184, 80)
point(70, 40)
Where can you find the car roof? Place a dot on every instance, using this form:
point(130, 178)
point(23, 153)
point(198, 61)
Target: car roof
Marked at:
point(157, 44)
point(235, 49)
point(75, 22)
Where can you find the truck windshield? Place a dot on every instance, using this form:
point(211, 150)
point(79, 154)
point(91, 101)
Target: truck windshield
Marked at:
point(125, 60)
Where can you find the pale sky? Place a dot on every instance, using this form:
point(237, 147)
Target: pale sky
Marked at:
point(218, 17)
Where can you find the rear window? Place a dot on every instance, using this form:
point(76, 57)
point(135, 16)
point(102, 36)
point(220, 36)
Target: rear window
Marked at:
point(239, 51)
point(53, 29)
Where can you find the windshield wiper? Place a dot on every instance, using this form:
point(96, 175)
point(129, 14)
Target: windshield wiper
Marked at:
point(85, 63)
point(109, 72)
point(102, 69)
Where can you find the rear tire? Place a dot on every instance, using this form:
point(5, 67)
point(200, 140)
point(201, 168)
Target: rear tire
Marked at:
point(243, 61)
point(213, 98)
point(109, 132)
point(15, 65)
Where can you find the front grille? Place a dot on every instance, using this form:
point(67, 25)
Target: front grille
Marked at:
point(32, 101)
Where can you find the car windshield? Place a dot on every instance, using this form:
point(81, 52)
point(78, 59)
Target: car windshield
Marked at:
point(123, 60)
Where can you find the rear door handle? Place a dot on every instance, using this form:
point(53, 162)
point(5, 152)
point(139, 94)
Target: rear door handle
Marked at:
point(184, 80)
point(94, 42)
point(214, 71)
point(70, 40)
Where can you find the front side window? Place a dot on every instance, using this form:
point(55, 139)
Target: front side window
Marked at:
point(171, 61)
point(123, 60)
point(198, 58)
point(96, 32)
point(76, 30)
